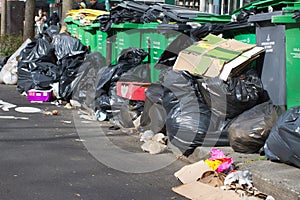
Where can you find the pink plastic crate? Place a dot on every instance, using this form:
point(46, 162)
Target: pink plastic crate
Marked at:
point(39, 95)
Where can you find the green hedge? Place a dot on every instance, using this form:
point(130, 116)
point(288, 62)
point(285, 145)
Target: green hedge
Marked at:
point(9, 44)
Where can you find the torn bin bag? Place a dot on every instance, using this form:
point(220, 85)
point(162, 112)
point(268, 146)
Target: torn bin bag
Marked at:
point(284, 139)
point(189, 123)
point(234, 96)
point(250, 130)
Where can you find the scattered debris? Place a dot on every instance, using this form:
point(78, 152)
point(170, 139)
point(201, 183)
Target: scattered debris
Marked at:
point(159, 137)
point(219, 162)
point(146, 136)
point(200, 182)
point(213, 178)
point(137, 122)
point(242, 177)
point(153, 147)
point(75, 103)
point(53, 112)
point(68, 106)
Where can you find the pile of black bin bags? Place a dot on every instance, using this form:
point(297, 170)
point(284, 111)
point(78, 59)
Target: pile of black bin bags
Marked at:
point(50, 58)
point(199, 110)
point(82, 76)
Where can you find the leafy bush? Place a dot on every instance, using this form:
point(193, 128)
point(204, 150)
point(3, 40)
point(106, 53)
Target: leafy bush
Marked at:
point(9, 44)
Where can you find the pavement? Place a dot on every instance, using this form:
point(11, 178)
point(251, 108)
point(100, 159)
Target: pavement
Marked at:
point(65, 156)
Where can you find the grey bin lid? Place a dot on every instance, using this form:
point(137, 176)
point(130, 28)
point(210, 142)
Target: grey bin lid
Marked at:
point(264, 16)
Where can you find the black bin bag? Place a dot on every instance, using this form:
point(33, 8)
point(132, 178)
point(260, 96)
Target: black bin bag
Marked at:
point(32, 72)
point(154, 115)
point(189, 121)
point(108, 76)
point(84, 85)
point(250, 130)
point(70, 54)
point(236, 95)
point(283, 143)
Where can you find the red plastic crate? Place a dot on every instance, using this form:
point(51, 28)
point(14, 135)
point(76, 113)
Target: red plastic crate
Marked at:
point(132, 90)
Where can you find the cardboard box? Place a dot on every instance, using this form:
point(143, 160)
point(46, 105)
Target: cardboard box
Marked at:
point(132, 90)
point(208, 56)
point(39, 95)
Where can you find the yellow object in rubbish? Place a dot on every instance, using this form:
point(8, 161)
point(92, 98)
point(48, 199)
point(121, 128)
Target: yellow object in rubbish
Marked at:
point(87, 12)
point(86, 15)
point(214, 164)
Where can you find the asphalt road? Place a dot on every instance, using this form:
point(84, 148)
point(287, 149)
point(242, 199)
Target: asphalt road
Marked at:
point(43, 157)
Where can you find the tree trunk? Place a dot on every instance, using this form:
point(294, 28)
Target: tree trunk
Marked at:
point(29, 19)
point(3, 18)
point(66, 6)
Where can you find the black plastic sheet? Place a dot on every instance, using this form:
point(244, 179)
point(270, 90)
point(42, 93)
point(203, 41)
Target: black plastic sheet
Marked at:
point(284, 139)
point(178, 14)
point(105, 22)
point(166, 13)
point(128, 11)
point(244, 15)
point(189, 121)
point(250, 130)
